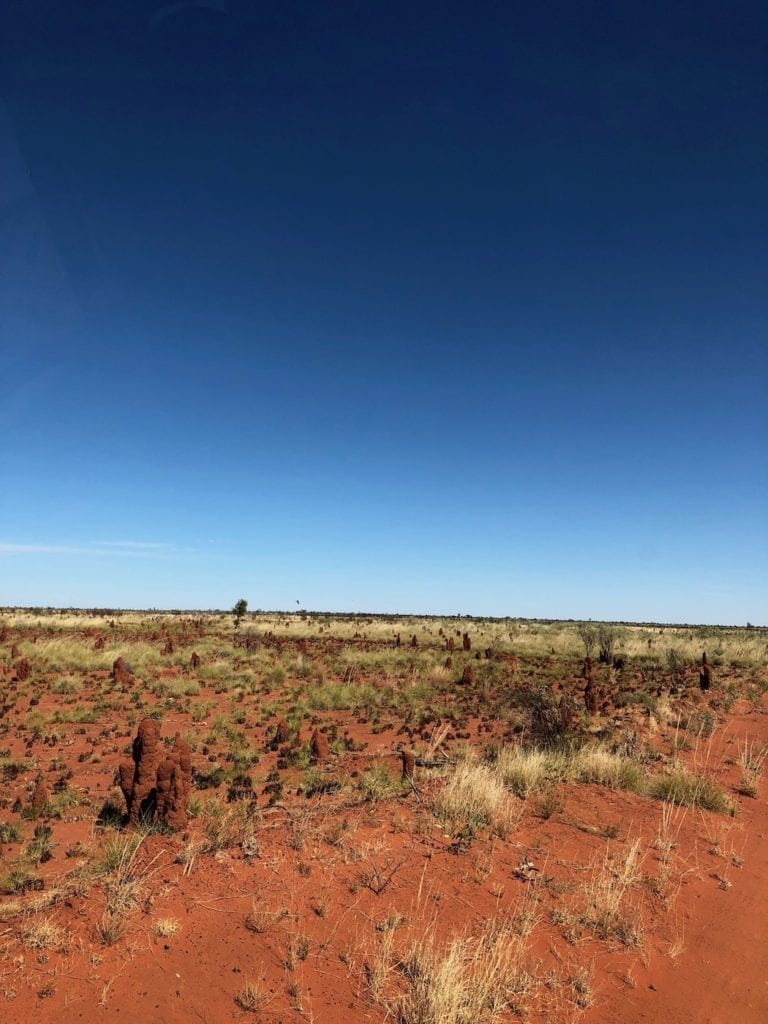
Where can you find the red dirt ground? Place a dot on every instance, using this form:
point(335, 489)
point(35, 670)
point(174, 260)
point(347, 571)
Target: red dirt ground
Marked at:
point(311, 890)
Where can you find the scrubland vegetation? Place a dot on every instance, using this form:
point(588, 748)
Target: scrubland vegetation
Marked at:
point(396, 816)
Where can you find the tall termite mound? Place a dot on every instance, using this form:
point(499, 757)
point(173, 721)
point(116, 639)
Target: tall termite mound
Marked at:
point(590, 693)
point(705, 673)
point(156, 785)
point(174, 780)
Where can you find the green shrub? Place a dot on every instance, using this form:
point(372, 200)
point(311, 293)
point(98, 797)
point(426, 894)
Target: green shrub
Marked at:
point(689, 790)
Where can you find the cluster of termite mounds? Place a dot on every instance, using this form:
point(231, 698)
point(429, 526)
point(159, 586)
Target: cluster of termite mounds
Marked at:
point(157, 782)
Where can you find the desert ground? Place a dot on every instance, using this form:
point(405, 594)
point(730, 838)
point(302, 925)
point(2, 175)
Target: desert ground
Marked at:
point(367, 819)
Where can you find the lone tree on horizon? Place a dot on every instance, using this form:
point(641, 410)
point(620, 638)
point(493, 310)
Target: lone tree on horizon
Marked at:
point(241, 607)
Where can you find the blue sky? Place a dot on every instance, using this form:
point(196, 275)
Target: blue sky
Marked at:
point(425, 308)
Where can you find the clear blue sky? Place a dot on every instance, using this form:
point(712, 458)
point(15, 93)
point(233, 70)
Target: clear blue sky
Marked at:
point(385, 306)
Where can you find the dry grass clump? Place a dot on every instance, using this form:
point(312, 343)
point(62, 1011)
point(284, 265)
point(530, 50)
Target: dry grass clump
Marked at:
point(260, 920)
point(605, 913)
point(111, 927)
point(43, 934)
point(124, 880)
point(599, 765)
point(10, 909)
point(224, 827)
point(475, 796)
point(252, 997)
point(531, 771)
point(74, 655)
point(473, 979)
point(665, 843)
point(166, 927)
point(752, 761)
point(581, 987)
point(525, 771)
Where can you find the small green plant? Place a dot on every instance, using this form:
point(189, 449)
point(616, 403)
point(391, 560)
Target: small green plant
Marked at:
point(17, 881)
point(548, 803)
point(117, 852)
point(689, 790)
point(9, 770)
point(376, 783)
point(40, 850)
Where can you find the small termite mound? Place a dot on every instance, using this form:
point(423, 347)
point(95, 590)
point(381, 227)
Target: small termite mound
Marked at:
point(282, 734)
point(319, 746)
point(590, 697)
point(122, 673)
point(590, 693)
point(40, 798)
